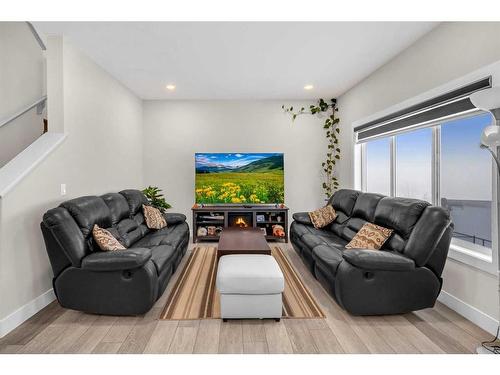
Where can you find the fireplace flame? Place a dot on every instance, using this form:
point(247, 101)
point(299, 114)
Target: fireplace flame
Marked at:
point(241, 222)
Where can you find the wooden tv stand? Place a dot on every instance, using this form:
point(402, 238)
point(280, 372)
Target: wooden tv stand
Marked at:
point(220, 217)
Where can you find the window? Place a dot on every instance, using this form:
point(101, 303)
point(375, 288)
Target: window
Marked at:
point(466, 180)
point(414, 164)
point(444, 165)
point(378, 166)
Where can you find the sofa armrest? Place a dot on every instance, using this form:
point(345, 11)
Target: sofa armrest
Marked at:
point(378, 260)
point(302, 218)
point(116, 260)
point(174, 218)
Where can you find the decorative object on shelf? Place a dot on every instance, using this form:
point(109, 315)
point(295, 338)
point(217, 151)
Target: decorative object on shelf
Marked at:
point(211, 230)
point(260, 218)
point(201, 232)
point(278, 230)
point(222, 217)
point(331, 126)
point(263, 230)
point(155, 198)
point(278, 219)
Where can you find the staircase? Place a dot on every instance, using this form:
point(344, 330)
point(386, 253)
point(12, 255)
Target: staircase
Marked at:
point(23, 98)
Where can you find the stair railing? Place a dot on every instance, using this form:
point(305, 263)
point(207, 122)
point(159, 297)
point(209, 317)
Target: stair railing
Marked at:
point(39, 104)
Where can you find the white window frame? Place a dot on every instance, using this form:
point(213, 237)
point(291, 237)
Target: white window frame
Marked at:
point(481, 258)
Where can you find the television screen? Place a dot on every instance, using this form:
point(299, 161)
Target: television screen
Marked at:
point(246, 178)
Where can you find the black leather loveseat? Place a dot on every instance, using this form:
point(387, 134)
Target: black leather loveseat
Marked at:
point(123, 282)
point(405, 275)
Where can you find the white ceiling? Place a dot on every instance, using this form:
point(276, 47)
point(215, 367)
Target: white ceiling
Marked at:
point(244, 60)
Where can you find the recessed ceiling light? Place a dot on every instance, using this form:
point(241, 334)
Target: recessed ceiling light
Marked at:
point(308, 87)
point(170, 87)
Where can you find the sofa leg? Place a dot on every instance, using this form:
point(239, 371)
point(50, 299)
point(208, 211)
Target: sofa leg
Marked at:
point(277, 320)
point(224, 320)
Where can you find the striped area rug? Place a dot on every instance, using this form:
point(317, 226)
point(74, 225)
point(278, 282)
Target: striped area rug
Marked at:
point(194, 295)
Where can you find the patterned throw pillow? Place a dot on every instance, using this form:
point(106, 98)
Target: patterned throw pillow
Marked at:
point(154, 218)
point(323, 216)
point(370, 236)
point(105, 240)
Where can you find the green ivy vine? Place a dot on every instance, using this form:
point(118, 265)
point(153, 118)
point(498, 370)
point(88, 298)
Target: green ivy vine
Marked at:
point(332, 131)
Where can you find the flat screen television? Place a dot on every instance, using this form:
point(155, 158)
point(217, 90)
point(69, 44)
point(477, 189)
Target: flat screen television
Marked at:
point(239, 178)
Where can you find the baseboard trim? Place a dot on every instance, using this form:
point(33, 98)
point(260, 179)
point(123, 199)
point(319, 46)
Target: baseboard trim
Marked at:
point(25, 312)
point(469, 312)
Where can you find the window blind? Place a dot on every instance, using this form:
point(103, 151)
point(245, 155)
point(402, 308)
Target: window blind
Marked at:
point(453, 102)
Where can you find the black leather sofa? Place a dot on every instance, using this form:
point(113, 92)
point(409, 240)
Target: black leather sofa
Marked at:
point(124, 282)
point(404, 276)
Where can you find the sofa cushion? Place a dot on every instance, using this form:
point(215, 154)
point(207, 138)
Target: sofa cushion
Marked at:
point(400, 214)
point(177, 235)
point(156, 237)
point(105, 240)
point(171, 235)
point(153, 217)
point(129, 232)
point(302, 218)
point(135, 199)
point(427, 234)
point(162, 256)
point(327, 258)
point(323, 216)
point(365, 206)
point(70, 240)
point(335, 241)
point(395, 243)
point(351, 227)
point(174, 218)
point(141, 223)
point(370, 236)
point(344, 200)
point(312, 240)
point(118, 207)
point(87, 211)
point(299, 229)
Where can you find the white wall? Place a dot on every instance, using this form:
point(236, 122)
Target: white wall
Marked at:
point(101, 153)
point(22, 82)
point(175, 130)
point(448, 52)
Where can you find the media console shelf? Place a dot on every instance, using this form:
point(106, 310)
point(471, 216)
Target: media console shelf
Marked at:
point(215, 218)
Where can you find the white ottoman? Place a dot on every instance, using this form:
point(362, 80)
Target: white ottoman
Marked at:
point(250, 286)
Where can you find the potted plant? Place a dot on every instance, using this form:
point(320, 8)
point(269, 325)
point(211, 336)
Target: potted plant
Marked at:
point(156, 198)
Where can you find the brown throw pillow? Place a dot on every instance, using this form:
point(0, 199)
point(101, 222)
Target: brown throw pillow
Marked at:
point(154, 218)
point(105, 240)
point(370, 236)
point(322, 217)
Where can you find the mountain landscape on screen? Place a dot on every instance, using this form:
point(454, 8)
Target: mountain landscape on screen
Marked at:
point(250, 178)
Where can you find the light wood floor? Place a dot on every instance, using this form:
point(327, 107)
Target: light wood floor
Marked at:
point(57, 330)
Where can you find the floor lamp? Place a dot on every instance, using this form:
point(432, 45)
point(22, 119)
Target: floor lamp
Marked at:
point(489, 100)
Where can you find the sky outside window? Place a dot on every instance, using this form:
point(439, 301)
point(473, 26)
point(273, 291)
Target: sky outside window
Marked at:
point(378, 166)
point(465, 167)
point(414, 164)
point(466, 179)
